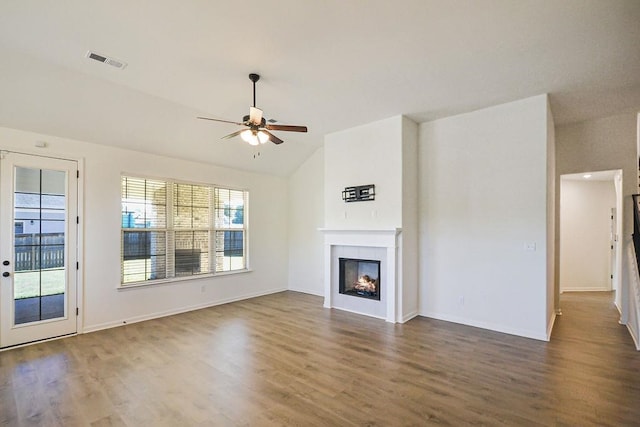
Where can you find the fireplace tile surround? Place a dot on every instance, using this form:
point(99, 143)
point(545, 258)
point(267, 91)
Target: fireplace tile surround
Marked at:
point(380, 245)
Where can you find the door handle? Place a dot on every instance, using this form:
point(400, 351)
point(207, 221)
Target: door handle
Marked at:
point(6, 274)
point(5, 262)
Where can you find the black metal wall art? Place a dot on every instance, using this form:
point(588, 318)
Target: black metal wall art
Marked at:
point(360, 193)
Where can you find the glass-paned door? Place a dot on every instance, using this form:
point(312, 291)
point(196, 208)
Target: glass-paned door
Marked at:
point(38, 248)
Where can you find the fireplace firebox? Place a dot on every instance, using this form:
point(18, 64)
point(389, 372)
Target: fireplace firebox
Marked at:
point(359, 278)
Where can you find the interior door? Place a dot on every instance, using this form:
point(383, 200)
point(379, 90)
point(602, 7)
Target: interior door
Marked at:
point(38, 248)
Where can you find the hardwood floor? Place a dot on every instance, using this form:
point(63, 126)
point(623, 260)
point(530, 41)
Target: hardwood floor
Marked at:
point(284, 360)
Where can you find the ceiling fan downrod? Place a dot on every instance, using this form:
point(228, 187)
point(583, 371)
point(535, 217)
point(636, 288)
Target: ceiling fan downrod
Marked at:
point(254, 78)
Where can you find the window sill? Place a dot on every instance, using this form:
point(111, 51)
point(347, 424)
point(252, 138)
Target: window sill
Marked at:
point(174, 280)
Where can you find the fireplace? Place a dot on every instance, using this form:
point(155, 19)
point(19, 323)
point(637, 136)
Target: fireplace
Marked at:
point(359, 278)
point(380, 247)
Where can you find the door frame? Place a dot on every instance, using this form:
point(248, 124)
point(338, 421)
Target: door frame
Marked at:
point(615, 177)
point(43, 151)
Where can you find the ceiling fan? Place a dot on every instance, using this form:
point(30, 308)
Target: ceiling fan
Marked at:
point(257, 130)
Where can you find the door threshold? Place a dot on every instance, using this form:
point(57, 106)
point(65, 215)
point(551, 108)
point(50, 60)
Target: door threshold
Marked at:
point(25, 344)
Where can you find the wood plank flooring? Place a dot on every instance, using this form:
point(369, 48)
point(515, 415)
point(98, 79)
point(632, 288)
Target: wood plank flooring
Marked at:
point(282, 359)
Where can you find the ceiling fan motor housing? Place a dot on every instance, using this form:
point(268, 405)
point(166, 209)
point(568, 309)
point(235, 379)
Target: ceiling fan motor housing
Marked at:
point(245, 120)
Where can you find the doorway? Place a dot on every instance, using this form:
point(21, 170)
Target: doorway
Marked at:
point(590, 230)
point(38, 248)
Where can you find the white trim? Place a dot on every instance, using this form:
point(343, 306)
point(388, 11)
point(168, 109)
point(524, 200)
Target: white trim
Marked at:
point(551, 324)
point(594, 289)
point(409, 316)
point(615, 304)
point(386, 239)
point(136, 319)
point(307, 291)
point(357, 312)
point(485, 325)
point(173, 280)
point(80, 248)
point(363, 231)
point(633, 335)
point(36, 342)
point(633, 295)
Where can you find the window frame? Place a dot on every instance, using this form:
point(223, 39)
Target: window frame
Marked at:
point(169, 232)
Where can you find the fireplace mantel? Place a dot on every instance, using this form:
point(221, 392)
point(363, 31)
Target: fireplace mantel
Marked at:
point(385, 239)
point(361, 231)
point(373, 238)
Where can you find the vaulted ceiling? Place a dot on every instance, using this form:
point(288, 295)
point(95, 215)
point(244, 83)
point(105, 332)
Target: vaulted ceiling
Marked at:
point(330, 65)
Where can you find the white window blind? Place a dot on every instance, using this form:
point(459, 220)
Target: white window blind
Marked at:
point(172, 229)
point(230, 233)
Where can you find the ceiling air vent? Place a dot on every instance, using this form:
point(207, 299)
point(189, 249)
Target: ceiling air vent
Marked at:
point(106, 60)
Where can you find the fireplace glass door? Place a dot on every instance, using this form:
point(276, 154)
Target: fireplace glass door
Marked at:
point(360, 278)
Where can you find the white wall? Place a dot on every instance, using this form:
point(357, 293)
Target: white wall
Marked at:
point(306, 216)
point(368, 154)
point(551, 221)
point(483, 198)
point(103, 305)
point(585, 234)
point(604, 144)
point(409, 281)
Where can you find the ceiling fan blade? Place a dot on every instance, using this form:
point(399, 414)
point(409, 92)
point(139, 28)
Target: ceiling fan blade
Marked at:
point(273, 138)
point(231, 135)
point(287, 128)
point(255, 115)
point(221, 121)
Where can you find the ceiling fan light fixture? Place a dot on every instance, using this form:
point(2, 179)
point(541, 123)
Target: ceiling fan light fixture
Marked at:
point(262, 137)
point(250, 136)
point(254, 137)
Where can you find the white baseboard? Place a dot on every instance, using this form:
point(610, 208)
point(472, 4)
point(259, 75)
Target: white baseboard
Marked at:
point(551, 323)
point(405, 319)
point(485, 325)
point(634, 335)
point(156, 315)
point(307, 291)
point(586, 289)
point(358, 312)
point(615, 303)
point(409, 316)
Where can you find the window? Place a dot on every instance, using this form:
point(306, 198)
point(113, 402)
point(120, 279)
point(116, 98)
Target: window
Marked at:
point(173, 229)
point(229, 214)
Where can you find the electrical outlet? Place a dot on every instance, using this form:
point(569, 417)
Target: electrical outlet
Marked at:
point(202, 289)
point(530, 246)
point(461, 300)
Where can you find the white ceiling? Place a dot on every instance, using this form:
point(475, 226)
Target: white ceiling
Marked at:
point(330, 65)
